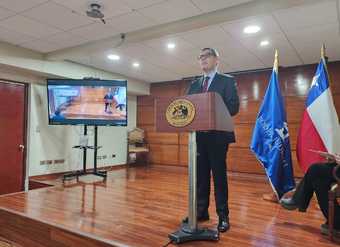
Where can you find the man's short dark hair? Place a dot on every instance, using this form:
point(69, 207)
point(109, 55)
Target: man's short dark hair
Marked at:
point(212, 51)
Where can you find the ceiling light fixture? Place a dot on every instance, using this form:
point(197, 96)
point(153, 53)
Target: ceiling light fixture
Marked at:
point(171, 46)
point(264, 43)
point(136, 64)
point(251, 29)
point(113, 57)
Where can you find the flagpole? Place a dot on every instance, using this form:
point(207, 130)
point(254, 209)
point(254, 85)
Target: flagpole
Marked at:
point(276, 61)
point(323, 51)
point(272, 197)
point(323, 57)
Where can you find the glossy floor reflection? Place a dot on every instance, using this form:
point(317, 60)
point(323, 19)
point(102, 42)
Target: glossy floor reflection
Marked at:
point(141, 206)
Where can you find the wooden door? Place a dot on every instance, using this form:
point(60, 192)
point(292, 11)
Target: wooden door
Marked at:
point(13, 98)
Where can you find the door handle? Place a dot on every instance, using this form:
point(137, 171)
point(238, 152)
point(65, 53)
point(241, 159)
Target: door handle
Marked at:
point(21, 147)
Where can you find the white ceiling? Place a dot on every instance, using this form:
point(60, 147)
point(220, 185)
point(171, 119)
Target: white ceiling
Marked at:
point(51, 25)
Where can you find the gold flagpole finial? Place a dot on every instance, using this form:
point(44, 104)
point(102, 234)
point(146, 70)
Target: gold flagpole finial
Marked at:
point(323, 59)
point(323, 51)
point(276, 61)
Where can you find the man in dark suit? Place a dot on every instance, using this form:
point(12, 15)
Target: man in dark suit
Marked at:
point(212, 146)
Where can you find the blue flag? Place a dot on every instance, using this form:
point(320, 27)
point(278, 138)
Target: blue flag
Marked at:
point(270, 140)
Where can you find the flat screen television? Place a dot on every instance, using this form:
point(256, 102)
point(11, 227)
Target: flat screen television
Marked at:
point(87, 102)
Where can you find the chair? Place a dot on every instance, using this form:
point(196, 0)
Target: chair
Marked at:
point(333, 196)
point(136, 145)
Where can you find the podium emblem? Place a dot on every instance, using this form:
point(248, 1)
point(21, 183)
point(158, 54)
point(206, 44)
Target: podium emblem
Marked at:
point(180, 113)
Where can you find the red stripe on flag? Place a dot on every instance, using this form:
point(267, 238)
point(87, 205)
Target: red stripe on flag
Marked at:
point(308, 138)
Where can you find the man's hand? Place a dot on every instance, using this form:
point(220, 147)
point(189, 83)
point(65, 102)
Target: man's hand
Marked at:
point(337, 158)
point(328, 156)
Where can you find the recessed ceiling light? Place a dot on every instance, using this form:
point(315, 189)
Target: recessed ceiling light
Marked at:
point(113, 57)
point(251, 29)
point(171, 46)
point(136, 65)
point(264, 43)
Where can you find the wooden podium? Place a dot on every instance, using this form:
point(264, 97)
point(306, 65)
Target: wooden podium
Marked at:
point(191, 113)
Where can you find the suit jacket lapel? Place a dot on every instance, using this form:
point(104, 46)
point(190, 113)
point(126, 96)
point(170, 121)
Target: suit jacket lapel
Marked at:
point(200, 84)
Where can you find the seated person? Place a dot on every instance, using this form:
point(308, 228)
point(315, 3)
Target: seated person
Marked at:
point(120, 98)
point(319, 179)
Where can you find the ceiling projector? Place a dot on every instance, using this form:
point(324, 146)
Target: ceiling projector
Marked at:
point(94, 12)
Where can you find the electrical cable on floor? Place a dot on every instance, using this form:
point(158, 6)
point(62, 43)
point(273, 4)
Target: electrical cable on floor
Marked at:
point(167, 244)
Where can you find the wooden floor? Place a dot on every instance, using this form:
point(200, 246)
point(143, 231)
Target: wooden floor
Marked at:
point(93, 110)
point(140, 207)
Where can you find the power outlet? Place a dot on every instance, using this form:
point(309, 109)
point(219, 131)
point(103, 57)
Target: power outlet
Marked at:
point(49, 162)
point(46, 162)
point(59, 161)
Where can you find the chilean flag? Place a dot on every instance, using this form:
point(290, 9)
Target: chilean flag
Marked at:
point(319, 127)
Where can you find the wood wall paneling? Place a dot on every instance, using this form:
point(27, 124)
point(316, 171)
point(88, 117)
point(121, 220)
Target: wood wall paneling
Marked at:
point(165, 89)
point(334, 75)
point(336, 98)
point(164, 154)
point(297, 170)
point(183, 155)
point(243, 160)
point(147, 127)
point(162, 138)
point(145, 115)
point(248, 112)
point(183, 138)
point(145, 100)
point(295, 107)
point(243, 134)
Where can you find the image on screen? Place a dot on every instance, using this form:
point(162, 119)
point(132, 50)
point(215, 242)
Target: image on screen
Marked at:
point(87, 102)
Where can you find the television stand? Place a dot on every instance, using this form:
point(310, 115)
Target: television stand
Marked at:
point(95, 148)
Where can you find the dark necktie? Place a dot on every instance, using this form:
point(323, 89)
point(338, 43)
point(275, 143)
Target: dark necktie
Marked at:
point(205, 84)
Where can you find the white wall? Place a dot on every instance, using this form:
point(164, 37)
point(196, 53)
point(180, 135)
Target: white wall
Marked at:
point(49, 142)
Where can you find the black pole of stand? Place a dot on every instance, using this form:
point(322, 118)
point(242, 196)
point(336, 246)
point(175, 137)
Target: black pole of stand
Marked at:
point(95, 149)
point(84, 151)
point(95, 172)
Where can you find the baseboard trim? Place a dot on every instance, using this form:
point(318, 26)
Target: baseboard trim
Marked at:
point(57, 175)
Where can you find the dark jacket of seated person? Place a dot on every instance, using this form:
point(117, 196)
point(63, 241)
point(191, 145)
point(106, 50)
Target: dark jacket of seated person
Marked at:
point(318, 179)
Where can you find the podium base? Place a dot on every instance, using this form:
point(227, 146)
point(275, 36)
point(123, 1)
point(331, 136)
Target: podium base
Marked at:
point(186, 234)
